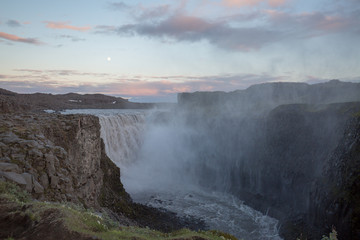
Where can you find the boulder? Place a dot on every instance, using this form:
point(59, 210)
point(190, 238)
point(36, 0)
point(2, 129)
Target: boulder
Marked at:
point(5, 159)
point(9, 167)
point(29, 181)
point(37, 187)
point(54, 181)
point(14, 177)
point(50, 163)
point(44, 179)
point(9, 138)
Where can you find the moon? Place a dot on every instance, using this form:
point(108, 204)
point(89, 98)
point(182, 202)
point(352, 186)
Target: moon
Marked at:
point(108, 59)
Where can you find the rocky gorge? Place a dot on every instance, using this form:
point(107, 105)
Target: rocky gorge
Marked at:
point(288, 150)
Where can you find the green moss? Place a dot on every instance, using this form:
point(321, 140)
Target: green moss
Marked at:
point(357, 114)
point(14, 193)
point(87, 222)
point(332, 236)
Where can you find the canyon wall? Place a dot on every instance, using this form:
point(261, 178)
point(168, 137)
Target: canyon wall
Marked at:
point(55, 157)
point(289, 150)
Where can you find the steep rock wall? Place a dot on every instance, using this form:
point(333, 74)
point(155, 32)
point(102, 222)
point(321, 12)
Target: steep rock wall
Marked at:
point(60, 155)
point(277, 162)
point(336, 195)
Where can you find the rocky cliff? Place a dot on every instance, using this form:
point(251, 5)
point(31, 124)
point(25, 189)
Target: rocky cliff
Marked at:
point(336, 195)
point(61, 158)
point(289, 150)
point(262, 98)
point(55, 157)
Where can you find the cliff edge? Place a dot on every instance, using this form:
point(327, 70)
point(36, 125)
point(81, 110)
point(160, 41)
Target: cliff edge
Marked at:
point(61, 158)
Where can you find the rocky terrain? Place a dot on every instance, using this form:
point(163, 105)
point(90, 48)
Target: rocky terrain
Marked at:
point(289, 150)
point(61, 158)
point(10, 101)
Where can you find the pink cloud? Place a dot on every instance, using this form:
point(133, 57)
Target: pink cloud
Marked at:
point(276, 3)
point(166, 87)
point(65, 25)
point(15, 38)
point(188, 23)
point(331, 23)
point(242, 3)
point(136, 91)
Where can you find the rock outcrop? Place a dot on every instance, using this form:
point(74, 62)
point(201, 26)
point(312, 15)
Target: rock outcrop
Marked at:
point(55, 157)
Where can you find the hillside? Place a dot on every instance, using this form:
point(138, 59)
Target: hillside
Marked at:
point(10, 101)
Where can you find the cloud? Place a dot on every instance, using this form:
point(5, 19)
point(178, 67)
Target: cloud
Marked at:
point(63, 81)
point(72, 38)
point(13, 23)
point(105, 29)
point(311, 24)
point(118, 6)
point(243, 3)
point(154, 12)
point(267, 23)
point(65, 25)
point(15, 38)
point(182, 27)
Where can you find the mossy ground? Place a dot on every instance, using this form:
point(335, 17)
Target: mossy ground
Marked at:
point(89, 223)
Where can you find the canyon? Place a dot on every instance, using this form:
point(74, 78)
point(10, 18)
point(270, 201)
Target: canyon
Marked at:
point(289, 150)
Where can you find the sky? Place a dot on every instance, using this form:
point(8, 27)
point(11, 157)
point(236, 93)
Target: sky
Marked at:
point(148, 51)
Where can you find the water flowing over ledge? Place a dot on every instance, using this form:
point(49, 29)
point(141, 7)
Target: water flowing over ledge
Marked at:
point(157, 168)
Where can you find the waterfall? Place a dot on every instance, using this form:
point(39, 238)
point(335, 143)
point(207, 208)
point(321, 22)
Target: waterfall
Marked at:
point(168, 163)
point(123, 136)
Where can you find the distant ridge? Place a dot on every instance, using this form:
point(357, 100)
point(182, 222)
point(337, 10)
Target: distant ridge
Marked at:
point(269, 95)
point(11, 101)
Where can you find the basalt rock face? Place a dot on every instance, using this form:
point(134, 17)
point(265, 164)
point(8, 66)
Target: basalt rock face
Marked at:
point(61, 158)
point(336, 196)
point(264, 97)
point(301, 154)
point(291, 150)
point(55, 157)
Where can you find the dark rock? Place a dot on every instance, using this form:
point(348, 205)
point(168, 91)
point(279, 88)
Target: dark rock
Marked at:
point(14, 177)
point(37, 187)
point(9, 167)
point(29, 181)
